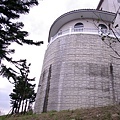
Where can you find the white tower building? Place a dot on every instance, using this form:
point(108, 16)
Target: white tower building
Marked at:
point(79, 69)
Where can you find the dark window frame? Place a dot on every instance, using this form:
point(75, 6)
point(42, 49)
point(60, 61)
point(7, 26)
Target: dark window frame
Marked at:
point(102, 28)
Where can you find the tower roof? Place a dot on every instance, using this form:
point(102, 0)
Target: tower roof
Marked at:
point(80, 14)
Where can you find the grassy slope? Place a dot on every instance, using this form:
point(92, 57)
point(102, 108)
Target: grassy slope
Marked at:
point(100, 113)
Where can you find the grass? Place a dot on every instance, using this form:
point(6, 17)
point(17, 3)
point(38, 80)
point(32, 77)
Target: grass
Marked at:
point(100, 113)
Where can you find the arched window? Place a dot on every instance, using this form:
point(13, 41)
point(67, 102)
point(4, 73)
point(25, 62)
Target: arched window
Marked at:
point(102, 28)
point(78, 27)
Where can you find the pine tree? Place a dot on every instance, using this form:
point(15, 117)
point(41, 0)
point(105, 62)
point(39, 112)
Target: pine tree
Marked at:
point(11, 30)
point(23, 93)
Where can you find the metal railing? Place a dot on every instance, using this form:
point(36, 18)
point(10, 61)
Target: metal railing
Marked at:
point(83, 31)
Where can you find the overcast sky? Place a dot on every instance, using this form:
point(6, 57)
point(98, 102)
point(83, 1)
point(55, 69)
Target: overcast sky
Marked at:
point(38, 23)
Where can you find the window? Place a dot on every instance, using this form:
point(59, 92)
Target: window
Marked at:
point(78, 27)
point(102, 28)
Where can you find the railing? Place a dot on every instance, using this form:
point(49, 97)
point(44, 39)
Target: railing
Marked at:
point(83, 31)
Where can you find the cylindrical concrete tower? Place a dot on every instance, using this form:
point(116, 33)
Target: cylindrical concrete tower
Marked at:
point(78, 70)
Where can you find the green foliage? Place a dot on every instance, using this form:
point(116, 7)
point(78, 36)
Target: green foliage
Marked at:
point(100, 113)
point(2, 117)
point(23, 94)
point(52, 113)
point(11, 31)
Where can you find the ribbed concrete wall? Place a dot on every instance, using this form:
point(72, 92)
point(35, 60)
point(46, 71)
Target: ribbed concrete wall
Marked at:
point(77, 72)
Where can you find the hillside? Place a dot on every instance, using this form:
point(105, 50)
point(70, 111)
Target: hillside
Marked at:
point(100, 113)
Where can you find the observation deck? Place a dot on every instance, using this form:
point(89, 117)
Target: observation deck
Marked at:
point(81, 14)
point(101, 32)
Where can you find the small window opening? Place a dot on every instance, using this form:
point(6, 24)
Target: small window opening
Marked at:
point(102, 28)
point(78, 27)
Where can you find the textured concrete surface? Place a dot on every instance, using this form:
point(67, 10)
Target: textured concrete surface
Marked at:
point(83, 74)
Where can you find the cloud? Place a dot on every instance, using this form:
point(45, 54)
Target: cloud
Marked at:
point(4, 97)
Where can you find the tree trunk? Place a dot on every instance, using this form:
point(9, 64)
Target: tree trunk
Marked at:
point(22, 106)
point(19, 104)
point(25, 106)
point(16, 107)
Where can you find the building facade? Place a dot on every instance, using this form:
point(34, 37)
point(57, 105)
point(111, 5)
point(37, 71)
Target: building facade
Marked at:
point(80, 69)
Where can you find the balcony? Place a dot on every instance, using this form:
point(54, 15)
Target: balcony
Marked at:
point(83, 31)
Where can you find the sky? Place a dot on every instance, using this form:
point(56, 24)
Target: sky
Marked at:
point(38, 23)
